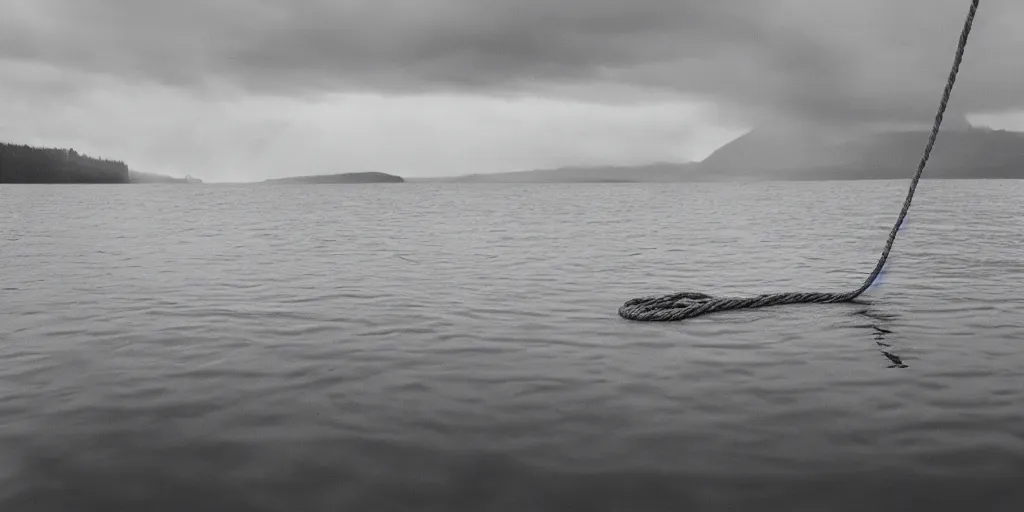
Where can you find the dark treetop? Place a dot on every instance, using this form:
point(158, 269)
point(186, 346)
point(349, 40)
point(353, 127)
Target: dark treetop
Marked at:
point(27, 164)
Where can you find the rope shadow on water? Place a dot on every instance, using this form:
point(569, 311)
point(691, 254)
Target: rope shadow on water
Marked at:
point(880, 325)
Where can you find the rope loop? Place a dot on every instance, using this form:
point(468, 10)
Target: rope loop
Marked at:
point(680, 306)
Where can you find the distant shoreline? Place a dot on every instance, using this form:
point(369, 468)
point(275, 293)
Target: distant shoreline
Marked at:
point(763, 155)
point(329, 179)
point(447, 181)
point(444, 181)
point(35, 165)
point(31, 165)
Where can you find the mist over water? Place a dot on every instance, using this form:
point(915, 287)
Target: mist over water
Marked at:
point(456, 347)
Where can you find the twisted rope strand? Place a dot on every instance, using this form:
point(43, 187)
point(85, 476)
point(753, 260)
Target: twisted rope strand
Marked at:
point(680, 306)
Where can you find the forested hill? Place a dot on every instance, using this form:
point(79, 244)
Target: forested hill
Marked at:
point(28, 164)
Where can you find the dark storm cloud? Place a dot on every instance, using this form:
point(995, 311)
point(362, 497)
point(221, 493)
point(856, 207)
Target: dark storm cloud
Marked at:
point(844, 60)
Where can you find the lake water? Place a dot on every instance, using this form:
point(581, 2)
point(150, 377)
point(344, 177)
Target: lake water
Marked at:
point(456, 347)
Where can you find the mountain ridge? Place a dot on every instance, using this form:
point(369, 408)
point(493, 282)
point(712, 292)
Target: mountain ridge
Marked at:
point(964, 152)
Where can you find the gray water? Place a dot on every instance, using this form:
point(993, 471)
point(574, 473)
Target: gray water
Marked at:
point(456, 347)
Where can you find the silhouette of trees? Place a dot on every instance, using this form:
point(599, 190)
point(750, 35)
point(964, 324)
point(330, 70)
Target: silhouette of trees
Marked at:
point(29, 164)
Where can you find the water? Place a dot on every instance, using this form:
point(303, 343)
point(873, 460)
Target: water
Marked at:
point(456, 347)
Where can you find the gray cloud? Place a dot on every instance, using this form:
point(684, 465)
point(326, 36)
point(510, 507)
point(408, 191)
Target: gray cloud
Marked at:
point(829, 61)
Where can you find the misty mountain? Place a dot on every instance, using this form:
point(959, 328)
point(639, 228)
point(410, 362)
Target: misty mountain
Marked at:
point(824, 155)
point(961, 151)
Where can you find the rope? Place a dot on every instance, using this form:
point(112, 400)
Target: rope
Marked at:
point(680, 306)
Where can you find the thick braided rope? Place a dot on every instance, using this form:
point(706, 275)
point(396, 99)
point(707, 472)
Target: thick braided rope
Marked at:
point(685, 305)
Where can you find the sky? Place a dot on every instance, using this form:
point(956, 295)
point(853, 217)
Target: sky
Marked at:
point(245, 90)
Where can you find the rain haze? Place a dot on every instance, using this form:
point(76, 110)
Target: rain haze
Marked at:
point(235, 90)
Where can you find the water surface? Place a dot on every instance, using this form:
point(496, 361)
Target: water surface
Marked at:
point(456, 347)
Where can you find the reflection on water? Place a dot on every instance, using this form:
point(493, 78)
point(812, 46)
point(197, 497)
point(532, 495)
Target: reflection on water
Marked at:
point(879, 324)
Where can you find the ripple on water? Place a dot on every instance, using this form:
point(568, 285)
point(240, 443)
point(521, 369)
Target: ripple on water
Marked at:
point(441, 347)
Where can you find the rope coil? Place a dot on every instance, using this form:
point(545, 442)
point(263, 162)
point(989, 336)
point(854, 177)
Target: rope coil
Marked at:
point(680, 306)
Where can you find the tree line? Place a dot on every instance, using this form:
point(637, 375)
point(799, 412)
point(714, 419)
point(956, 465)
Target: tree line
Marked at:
point(29, 164)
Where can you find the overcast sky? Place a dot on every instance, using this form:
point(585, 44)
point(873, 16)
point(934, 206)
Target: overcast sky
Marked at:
point(232, 90)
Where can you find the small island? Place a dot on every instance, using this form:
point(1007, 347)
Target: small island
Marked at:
point(352, 177)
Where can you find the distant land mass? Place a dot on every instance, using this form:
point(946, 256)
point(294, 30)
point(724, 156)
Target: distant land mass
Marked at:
point(37, 165)
point(146, 177)
point(971, 153)
point(352, 177)
point(961, 152)
point(28, 164)
point(658, 172)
